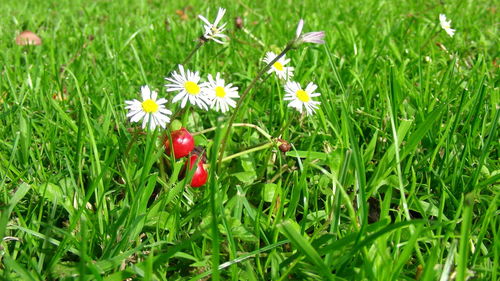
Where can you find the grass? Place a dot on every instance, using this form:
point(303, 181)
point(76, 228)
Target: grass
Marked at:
point(394, 178)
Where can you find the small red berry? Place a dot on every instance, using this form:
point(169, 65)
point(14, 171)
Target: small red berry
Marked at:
point(200, 176)
point(183, 143)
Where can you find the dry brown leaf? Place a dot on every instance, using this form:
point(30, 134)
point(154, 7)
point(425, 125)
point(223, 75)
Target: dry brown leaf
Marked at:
point(182, 14)
point(28, 38)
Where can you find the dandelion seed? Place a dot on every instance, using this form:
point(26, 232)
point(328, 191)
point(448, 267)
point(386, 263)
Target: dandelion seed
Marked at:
point(315, 37)
point(302, 98)
point(214, 31)
point(282, 71)
point(221, 94)
point(187, 83)
point(149, 109)
point(446, 25)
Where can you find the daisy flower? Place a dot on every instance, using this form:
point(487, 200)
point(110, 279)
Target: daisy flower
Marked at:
point(282, 71)
point(446, 25)
point(213, 31)
point(310, 37)
point(302, 98)
point(187, 83)
point(221, 94)
point(150, 110)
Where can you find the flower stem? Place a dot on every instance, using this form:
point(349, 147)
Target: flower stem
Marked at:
point(193, 51)
point(201, 42)
point(257, 148)
point(135, 135)
point(286, 126)
point(266, 145)
point(242, 98)
point(259, 129)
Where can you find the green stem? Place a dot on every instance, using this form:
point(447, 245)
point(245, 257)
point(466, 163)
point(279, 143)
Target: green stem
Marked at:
point(259, 129)
point(257, 148)
point(242, 98)
point(285, 127)
point(132, 141)
point(426, 42)
point(193, 51)
point(163, 174)
point(463, 252)
point(266, 145)
point(200, 43)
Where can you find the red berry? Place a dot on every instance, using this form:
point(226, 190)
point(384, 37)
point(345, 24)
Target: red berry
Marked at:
point(200, 176)
point(183, 143)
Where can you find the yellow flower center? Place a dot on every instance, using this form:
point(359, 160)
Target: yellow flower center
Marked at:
point(192, 88)
point(278, 66)
point(220, 92)
point(149, 106)
point(303, 96)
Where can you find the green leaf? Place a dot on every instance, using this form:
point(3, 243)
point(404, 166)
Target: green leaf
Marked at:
point(54, 193)
point(429, 209)
point(246, 177)
point(238, 230)
point(12, 264)
point(307, 154)
point(291, 230)
point(5, 213)
point(269, 190)
point(247, 162)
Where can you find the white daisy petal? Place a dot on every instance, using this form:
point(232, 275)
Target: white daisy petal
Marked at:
point(145, 120)
point(315, 37)
point(131, 102)
point(165, 112)
point(278, 67)
point(138, 116)
point(161, 101)
point(311, 87)
point(215, 30)
point(220, 14)
point(301, 99)
point(177, 98)
point(217, 41)
point(187, 83)
point(446, 25)
point(219, 95)
point(204, 19)
point(299, 28)
point(145, 92)
point(184, 101)
point(149, 110)
point(154, 95)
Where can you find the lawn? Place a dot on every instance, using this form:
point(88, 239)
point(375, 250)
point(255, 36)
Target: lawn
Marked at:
point(389, 170)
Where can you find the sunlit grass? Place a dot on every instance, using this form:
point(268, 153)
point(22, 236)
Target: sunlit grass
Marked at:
point(395, 177)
